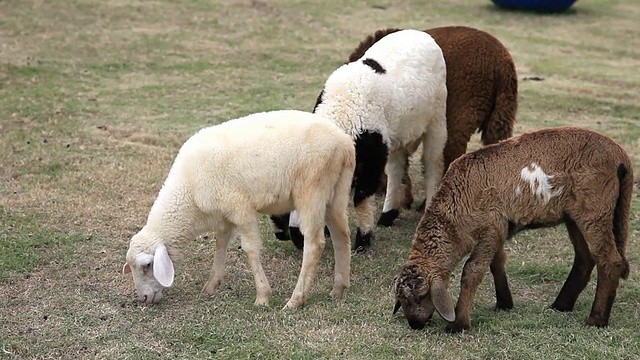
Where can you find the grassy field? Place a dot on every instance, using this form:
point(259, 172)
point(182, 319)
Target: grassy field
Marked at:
point(96, 97)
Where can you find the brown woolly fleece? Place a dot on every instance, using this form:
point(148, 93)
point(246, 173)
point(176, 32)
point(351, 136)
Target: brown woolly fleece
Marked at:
point(543, 178)
point(482, 87)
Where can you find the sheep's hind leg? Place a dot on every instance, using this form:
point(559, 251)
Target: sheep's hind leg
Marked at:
point(504, 301)
point(223, 235)
point(394, 194)
point(252, 246)
point(610, 267)
point(580, 272)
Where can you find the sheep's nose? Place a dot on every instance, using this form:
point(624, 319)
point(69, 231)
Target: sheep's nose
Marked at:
point(416, 324)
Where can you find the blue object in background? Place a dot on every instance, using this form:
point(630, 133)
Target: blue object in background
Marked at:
point(545, 6)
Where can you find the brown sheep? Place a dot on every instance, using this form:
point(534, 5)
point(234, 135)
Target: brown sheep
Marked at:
point(482, 87)
point(487, 196)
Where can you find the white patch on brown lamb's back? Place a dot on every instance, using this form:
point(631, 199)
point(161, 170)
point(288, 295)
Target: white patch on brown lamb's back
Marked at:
point(539, 182)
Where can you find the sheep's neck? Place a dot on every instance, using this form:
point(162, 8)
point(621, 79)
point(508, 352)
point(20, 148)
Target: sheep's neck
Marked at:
point(433, 248)
point(172, 216)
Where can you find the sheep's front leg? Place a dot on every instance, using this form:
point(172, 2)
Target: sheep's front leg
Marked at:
point(252, 245)
point(394, 194)
point(472, 275)
point(313, 247)
point(338, 224)
point(223, 235)
point(580, 272)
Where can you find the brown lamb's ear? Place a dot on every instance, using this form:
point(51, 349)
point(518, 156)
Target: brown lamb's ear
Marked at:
point(396, 307)
point(126, 269)
point(442, 300)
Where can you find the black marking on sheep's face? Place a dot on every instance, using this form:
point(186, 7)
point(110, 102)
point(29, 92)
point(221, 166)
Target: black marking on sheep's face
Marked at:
point(363, 241)
point(374, 65)
point(412, 294)
point(371, 157)
point(281, 224)
point(318, 101)
point(387, 218)
point(297, 237)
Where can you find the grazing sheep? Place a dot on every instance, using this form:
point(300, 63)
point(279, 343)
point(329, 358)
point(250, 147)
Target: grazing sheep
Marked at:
point(487, 196)
point(389, 101)
point(225, 175)
point(482, 89)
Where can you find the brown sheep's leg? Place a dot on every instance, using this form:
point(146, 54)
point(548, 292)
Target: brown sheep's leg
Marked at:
point(407, 199)
point(472, 274)
point(610, 266)
point(605, 295)
point(504, 301)
point(580, 272)
point(455, 148)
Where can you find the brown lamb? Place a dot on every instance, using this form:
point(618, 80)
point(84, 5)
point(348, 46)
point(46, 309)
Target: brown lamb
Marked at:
point(482, 87)
point(540, 179)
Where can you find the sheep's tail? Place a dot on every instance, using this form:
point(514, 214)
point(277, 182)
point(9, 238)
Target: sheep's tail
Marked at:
point(499, 126)
point(368, 42)
point(621, 213)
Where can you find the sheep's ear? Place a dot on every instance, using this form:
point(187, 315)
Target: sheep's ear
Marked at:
point(126, 269)
point(163, 266)
point(396, 307)
point(442, 301)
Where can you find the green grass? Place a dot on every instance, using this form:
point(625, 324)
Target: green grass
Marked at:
point(25, 246)
point(97, 97)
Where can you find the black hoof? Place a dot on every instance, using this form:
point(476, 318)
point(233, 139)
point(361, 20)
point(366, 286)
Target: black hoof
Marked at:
point(422, 205)
point(327, 233)
point(387, 218)
point(363, 241)
point(297, 237)
point(561, 307)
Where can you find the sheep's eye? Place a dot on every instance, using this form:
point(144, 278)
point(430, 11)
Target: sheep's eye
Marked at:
point(146, 268)
point(423, 295)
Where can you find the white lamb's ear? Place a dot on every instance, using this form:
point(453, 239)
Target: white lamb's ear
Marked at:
point(442, 300)
point(163, 266)
point(126, 269)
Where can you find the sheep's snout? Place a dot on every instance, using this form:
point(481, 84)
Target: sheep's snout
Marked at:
point(416, 324)
point(151, 297)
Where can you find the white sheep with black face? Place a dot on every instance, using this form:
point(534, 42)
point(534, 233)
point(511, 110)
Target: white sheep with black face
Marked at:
point(224, 176)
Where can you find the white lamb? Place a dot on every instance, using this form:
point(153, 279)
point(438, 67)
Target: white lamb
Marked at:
point(225, 175)
point(389, 101)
